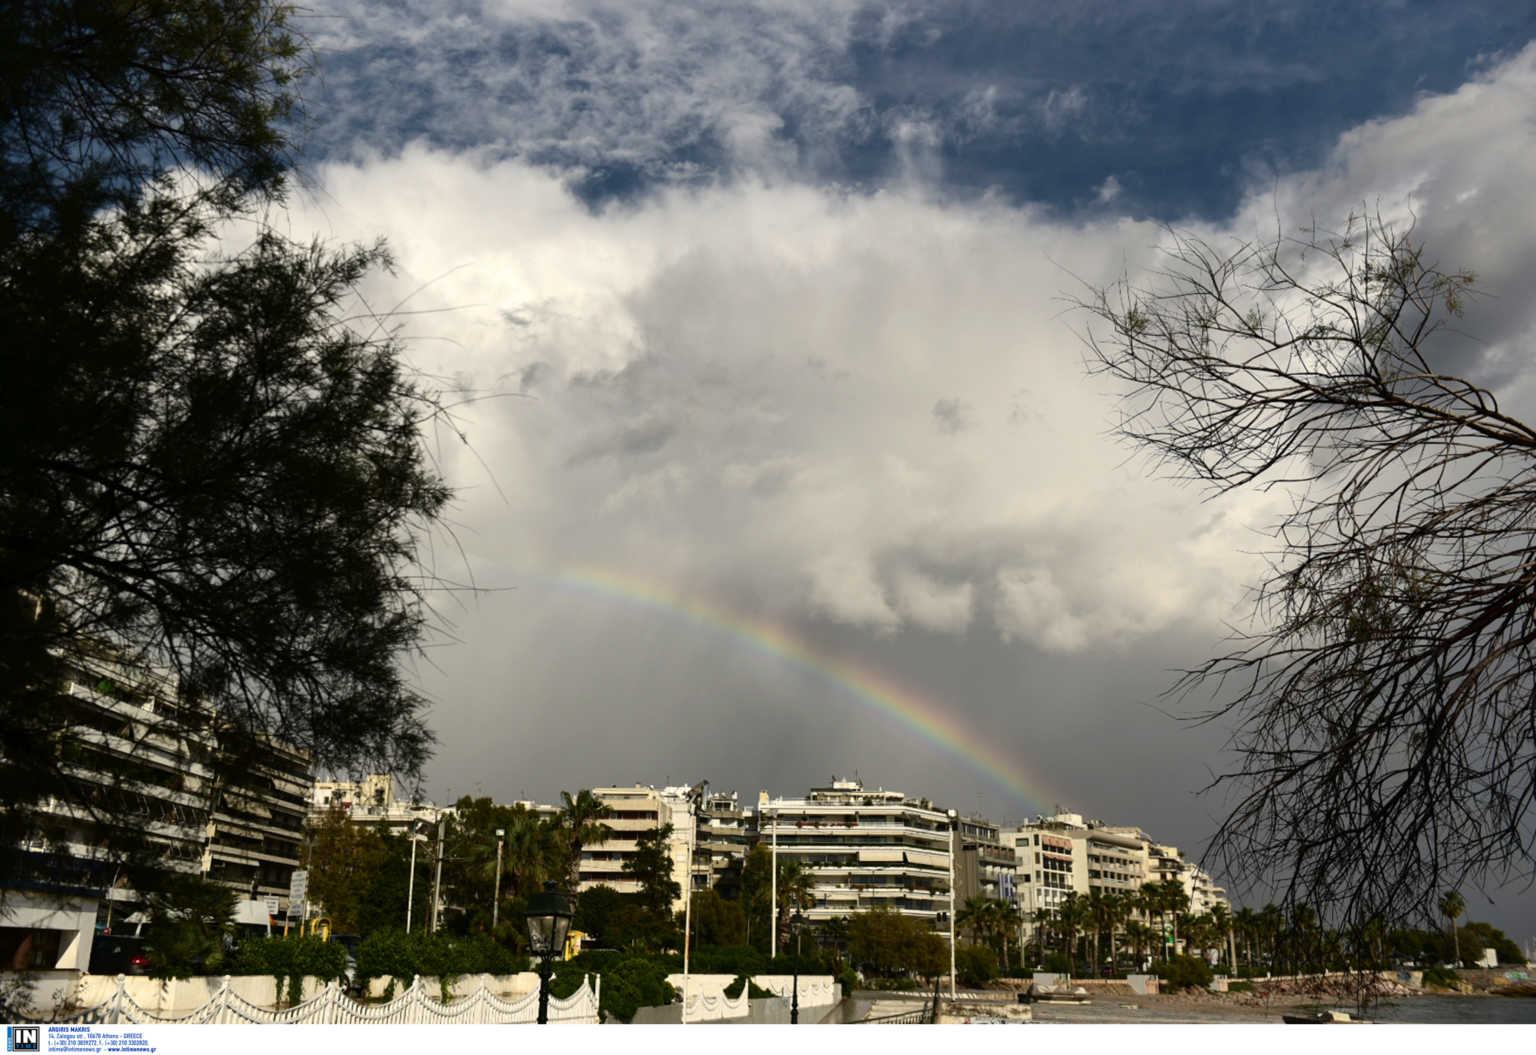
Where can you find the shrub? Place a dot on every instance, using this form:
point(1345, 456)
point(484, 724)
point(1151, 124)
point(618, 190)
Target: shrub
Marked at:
point(1239, 987)
point(1185, 972)
point(292, 959)
point(633, 983)
point(1057, 963)
point(848, 978)
point(401, 957)
point(975, 965)
point(1442, 977)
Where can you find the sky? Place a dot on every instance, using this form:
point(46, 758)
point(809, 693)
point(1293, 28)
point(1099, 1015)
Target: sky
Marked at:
point(775, 451)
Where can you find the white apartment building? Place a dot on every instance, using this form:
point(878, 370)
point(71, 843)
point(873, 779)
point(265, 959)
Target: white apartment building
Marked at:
point(864, 849)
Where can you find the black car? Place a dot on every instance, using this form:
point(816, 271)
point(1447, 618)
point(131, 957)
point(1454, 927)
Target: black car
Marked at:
point(119, 954)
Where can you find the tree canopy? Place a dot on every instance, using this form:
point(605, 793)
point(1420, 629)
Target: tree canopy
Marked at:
point(1381, 705)
point(212, 461)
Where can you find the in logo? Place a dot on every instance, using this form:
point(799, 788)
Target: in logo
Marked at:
point(22, 1038)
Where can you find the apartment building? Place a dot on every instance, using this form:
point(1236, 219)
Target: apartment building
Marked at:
point(376, 802)
point(255, 832)
point(632, 812)
point(864, 849)
point(984, 866)
point(1047, 864)
point(724, 836)
point(159, 774)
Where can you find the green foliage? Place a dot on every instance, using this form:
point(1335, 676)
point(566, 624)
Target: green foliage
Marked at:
point(896, 945)
point(1184, 972)
point(1057, 963)
point(632, 983)
point(189, 925)
point(651, 866)
point(401, 957)
point(533, 851)
point(290, 960)
point(1441, 977)
point(206, 464)
point(716, 920)
point(975, 965)
point(848, 978)
point(1239, 987)
point(597, 911)
point(1480, 936)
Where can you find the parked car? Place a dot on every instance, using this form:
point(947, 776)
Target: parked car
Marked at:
point(119, 954)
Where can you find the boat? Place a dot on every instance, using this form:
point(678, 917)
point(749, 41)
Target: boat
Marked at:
point(1315, 1018)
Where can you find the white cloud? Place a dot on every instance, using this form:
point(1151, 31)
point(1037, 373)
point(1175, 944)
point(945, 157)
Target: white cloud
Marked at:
point(738, 388)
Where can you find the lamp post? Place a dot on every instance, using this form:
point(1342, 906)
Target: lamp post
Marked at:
point(501, 834)
point(794, 999)
point(417, 835)
point(549, 921)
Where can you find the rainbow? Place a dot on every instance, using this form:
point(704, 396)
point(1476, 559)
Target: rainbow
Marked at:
point(871, 688)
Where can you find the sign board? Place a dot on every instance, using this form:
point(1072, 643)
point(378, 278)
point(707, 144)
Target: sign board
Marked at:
point(298, 888)
point(272, 902)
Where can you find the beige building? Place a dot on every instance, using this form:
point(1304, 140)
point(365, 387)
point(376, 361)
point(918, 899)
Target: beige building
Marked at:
point(632, 812)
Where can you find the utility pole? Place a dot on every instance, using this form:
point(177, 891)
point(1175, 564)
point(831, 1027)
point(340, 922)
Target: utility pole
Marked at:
point(437, 882)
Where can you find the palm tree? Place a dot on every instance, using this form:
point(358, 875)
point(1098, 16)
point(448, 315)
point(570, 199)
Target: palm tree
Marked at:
point(1117, 909)
point(1045, 924)
point(1270, 922)
point(795, 884)
point(1098, 916)
point(1247, 922)
point(582, 819)
point(1176, 902)
point(1007, 917)
point(1452, 905)
point(1072, 916)
point(1140, 934)
point(975, 913)
point(1221, 918)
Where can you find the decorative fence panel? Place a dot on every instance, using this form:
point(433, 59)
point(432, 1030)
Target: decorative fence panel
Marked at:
point(334, 1007)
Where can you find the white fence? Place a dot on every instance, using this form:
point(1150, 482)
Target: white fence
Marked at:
point(705, 999)
point(334, 1007)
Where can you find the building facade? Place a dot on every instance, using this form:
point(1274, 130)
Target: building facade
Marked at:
point(864, 849)
point(632, 812)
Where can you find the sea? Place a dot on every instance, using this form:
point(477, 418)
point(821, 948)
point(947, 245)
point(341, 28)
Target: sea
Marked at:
point(1458, 1010)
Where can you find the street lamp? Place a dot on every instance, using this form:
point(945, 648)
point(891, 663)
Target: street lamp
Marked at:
point(549, 920)
point(496, 897)
point(420, 830)
point(794, 1000)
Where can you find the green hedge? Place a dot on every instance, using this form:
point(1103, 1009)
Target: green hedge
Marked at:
point(291, 959)
point(401, 957)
